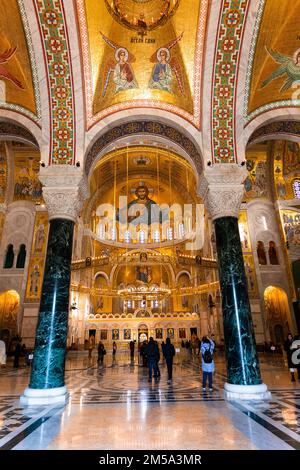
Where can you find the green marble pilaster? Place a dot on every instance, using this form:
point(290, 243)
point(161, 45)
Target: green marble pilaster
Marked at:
point(48, 366)
point(240, 348)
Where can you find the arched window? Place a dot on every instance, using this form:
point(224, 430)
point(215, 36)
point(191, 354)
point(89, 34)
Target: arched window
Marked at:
point(262, 259)
point(21, 257)
point(273, 253)
point(9, 257)
point(296, 189)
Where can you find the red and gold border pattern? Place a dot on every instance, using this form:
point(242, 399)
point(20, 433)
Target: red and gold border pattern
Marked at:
point(225, 71)
point(60, 81)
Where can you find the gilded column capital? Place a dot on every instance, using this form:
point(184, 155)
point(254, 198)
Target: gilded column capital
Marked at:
point(65, 189)
point(222, 189)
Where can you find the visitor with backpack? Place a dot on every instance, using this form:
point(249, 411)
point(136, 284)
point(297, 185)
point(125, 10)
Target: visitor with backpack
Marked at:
point(208, 366)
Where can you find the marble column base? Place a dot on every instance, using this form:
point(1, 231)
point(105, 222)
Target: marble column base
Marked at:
point(48, 396)
point(246, 392)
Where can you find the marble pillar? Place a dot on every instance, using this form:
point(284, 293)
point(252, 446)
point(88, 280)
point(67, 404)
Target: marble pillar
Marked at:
point(241, 357)
point(64, 191)
point(51, 335)
point(222, 189)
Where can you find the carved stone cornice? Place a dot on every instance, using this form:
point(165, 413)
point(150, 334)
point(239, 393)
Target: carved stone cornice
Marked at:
point(65, 189)
point(221, 188)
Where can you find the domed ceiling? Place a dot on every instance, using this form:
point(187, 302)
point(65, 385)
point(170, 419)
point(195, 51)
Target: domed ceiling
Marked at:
point(142, 53)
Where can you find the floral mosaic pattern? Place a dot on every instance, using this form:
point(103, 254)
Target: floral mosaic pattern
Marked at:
point(57, 54)
point(230, 33)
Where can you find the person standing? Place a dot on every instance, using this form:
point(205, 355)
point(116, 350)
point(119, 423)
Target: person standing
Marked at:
point(91, 346)
point(17, 354)
point(208, 365)
point(101, 352)
point(169, 353)
point(157, 374)
point(131, 345)
point(152, 354)
point(114, 351)
point(289, 352)
point(2, 353)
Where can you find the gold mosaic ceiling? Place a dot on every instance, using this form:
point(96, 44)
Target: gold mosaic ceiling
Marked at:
point(276, 65)
point(159, 168)
point(15, 66)
point(140, 53)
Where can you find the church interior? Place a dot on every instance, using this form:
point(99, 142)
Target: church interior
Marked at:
point(149, 188)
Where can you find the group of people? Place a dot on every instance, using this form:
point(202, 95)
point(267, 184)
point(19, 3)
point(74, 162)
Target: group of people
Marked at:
point(17, 350)
point(150, 357)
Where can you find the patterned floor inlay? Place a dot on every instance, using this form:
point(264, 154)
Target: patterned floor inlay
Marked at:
point(120, 384)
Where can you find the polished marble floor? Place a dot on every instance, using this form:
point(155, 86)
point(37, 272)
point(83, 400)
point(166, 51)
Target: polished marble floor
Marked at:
point(116, 407)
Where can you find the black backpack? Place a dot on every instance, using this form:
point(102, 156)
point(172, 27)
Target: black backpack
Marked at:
point(207, 356)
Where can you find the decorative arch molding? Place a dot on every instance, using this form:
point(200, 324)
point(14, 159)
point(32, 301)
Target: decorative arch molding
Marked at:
point(181, 273)
point(287, 130)
point(16, 132)
point(269, 117)
point(143, 128)
point(102, 274)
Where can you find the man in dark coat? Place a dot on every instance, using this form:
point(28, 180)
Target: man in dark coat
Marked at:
point(131, 345)
point(169, 353)
point(152, 354)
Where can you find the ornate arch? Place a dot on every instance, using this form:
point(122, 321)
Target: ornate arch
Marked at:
point(12, 131)
point(144, 128)
point(286, 130)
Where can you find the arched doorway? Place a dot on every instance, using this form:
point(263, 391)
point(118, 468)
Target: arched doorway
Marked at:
point(143, 333)
point(277, 313)
point(9, 309)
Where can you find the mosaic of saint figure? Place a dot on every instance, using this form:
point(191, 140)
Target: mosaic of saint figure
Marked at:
point(165, 66)
point(34, 281)
point(147, 211)
point(143, 274)
point(289, 66)
point(119, 67)
point(39, 238)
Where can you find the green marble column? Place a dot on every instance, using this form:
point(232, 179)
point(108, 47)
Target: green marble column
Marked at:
point(240, 347)
point(51, 335)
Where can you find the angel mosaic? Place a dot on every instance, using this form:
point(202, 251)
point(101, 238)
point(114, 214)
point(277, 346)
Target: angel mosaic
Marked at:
point(119, 68)
point(165, 66)
point(5, 57)
point(289, 66)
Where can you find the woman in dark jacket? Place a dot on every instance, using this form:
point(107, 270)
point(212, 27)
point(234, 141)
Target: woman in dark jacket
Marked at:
point(101, 352)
